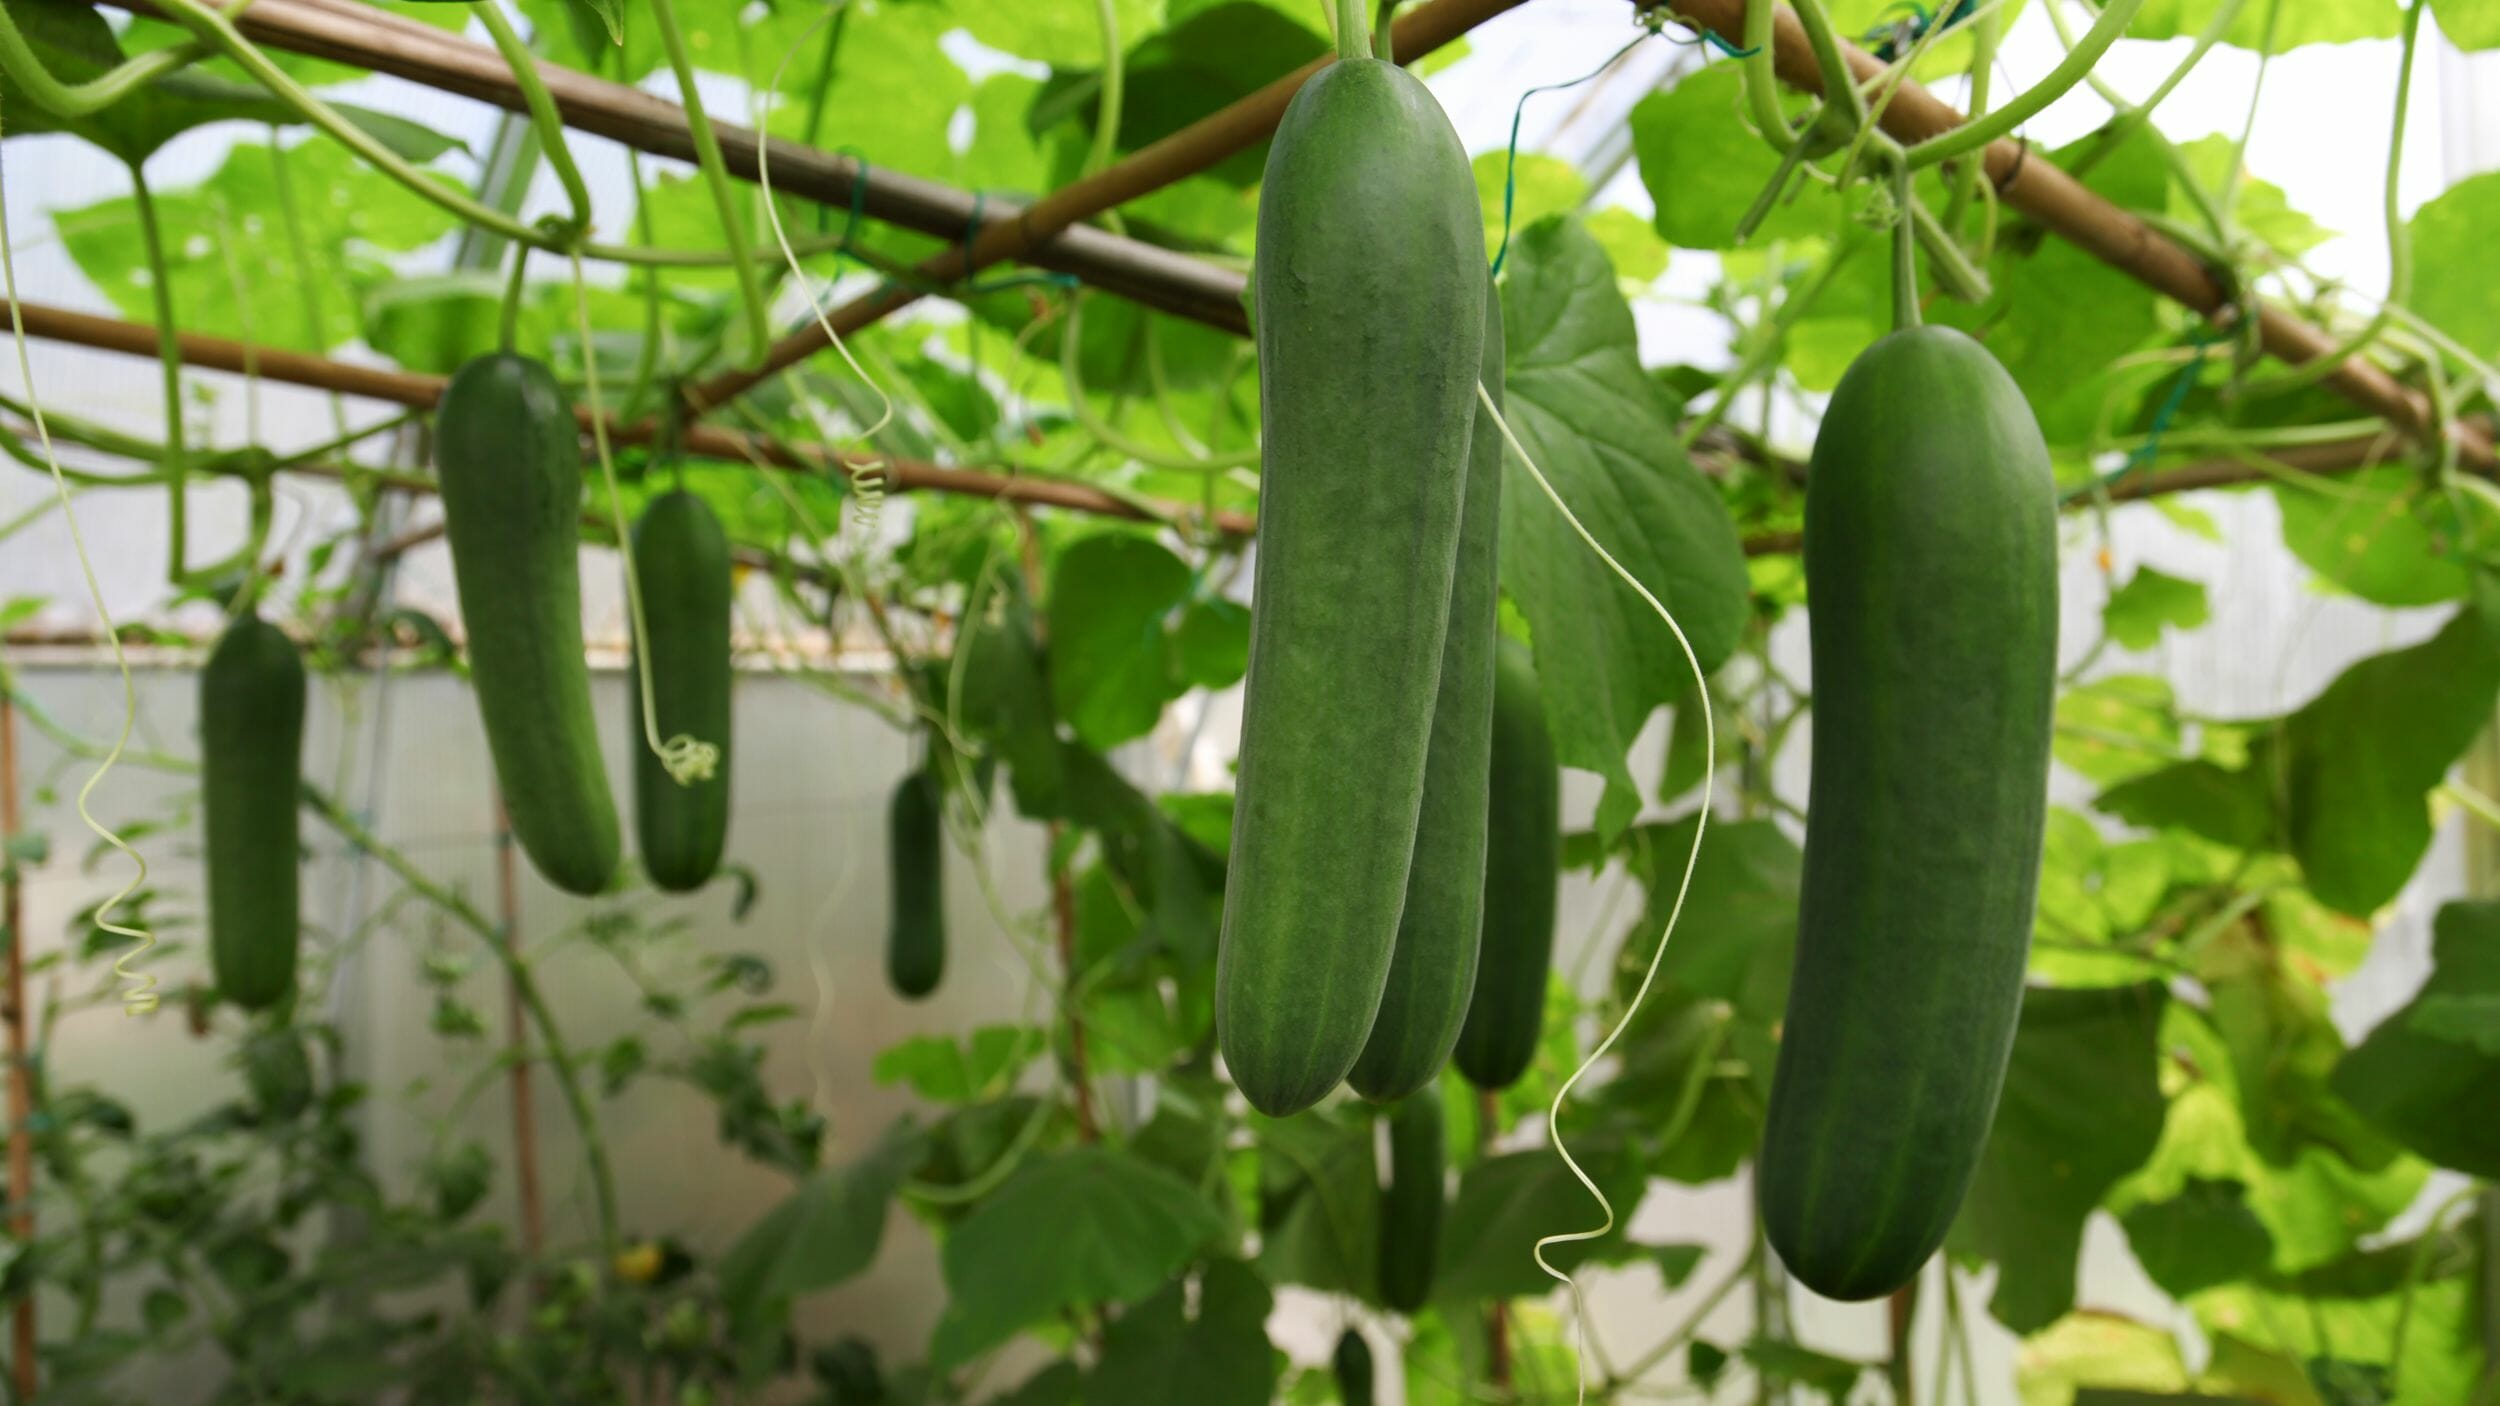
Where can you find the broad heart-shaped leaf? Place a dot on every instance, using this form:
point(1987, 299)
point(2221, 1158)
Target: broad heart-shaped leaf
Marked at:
point(2361, 757)
point(1111, 669)
point(2430, 1074)
point(1319, 1202)
point(2305, 22)
point(2082, 1107)
point(2150, 602)
point(2383, 534)
point(2204, 1236)
point(1086, 1226)
point(1739, 928)
point(1604, 435)
point(1704, 165)
point(944, 1070)
point(1159, 1353)
point(825, 1232)
point(2468, 24)
point(2452, 283)
point(1506, 1204)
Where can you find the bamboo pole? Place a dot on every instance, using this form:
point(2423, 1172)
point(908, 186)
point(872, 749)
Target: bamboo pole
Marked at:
point(420, 391)
point(374, 38)
point(21, 1091)
point(2067, 208)
point(1185, 153)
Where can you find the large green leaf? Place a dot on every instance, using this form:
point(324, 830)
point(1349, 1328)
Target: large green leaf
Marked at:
point(823, 1233)
point(1506, 1204)
point(1111, 666)
point(1086, 1226)
point(2150, 602)
point(2383, 534)
point(2430, 1073)
point(2360, 759)
point(2081, 1109)
point(1162, 1352)
point(2296, 22)
point(1704, 165)
point(2206, 1235)
point(1319, 1202)
point(2452, 283)
point(2468, 24)
point(1605, 436)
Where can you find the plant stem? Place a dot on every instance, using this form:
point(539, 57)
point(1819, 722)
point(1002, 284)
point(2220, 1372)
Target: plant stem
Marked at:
point(169, 358)
point(543, 115)
point(1983, 61)
point(1354, 40)
point(715, 176)
point(1904, 250)
point(1977, 133)
point(1762, 81)
point(24, 67)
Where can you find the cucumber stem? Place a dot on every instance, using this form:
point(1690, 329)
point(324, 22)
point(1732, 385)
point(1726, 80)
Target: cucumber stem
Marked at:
point(1354, 40)
point(1904, 250)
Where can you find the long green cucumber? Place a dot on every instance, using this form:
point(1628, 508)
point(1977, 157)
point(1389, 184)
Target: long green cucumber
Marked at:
point(683, 559)
point(1352, 1366)
point(1433, 971)
point(1931, 563)
point(1370, 287)
point(1522, 875)
point(915, 947)
point(1410, 1209)
point(251, 782)
point(509, 457)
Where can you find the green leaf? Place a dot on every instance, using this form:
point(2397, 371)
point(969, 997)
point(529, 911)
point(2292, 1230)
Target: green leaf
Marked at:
point(1319, 1202)
point(2360, 759)
point(2097, 1349)
point(2151, 600)
point(1085, 1226)
point(1739, 929)
point(1631, 244)
point(436, 322)
point(1110, 672)
point(2306, 22)
point(2468, 24)
point(2081, 1108)
point(2430, 1073)
point(1506, 1204)
point(1704, 164)
point(1539, 186)
point(2263, 210)
point(1005, 697)
point(1054, 1385)
point(2382, 534)
point(2452, 284)
point(2206, 1235)
point(1212, 643)
point(1604, 435)
point(826, 1231)
point(2117, 727)
point(944, 1071)
point(1784, 1361)
point(1159, 1352)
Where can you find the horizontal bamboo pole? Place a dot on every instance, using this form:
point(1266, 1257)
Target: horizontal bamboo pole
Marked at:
point(419, 391)
point(1185, 153)
point(372, 37)
point(2069, 209)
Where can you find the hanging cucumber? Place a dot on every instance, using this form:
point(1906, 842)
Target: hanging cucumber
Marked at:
point(1352, 1365)
point(915, 949)
point(251, 762)
point(683, 557)
point(1371, 288)
point(1931, 562)
point(1410, 1210)
point(1523, 871)
point(509, 456)
point(1433, 971)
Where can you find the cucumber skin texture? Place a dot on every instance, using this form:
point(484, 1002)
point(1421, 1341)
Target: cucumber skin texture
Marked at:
point(1410, 1209)
point(683, 558)
point(1931, 563)
point(1352, 1364)
point(509, 456)
point(1432, 973)
point(1522, 879)
point(915, 946)
point(1370, 312)
point(251, 780)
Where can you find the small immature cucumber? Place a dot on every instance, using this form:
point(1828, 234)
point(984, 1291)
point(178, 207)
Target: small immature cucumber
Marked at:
point(1410, 1210)
point(251, 765)
point(1931, 563)
point(1370, 285)
point(509, 456)
point(682, 557)
point(1433, 971)
point(1353, 1367)
point(1523, 870)
point(915, 948)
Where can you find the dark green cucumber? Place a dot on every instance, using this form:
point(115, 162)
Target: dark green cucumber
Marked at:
point(1370, 286)
point(1522, 874)
point(251, 780)
point(1410, 1209)
point(1352, 1364)
point(509, 456)
point(1433, 971)
point(682, 557)
point(915, 946)
point(1931, 563)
